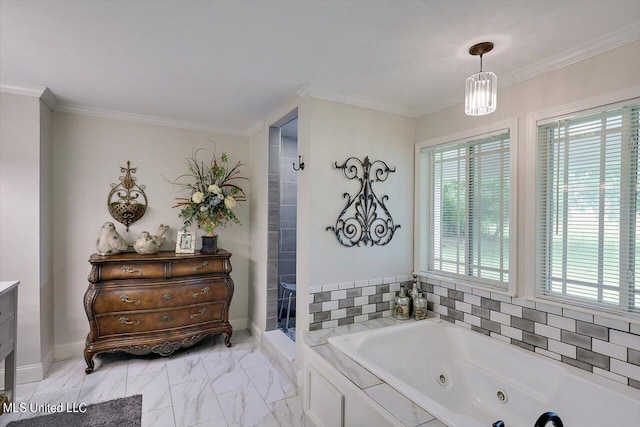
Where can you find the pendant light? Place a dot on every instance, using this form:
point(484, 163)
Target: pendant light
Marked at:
point(481, 91)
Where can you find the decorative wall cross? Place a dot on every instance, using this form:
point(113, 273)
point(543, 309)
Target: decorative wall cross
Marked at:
point(365, 218)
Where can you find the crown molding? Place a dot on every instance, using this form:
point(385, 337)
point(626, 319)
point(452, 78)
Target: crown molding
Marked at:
point(146, 119)
point(22, 90)
point(586, 50)
point(37, 92)
point(579, 53)
point(49, 99)
point(304, 91)
point(307, 91)
point(254, 128)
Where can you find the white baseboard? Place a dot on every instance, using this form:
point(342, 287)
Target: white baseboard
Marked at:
point(48, 361)
point(239, 324)
point(26, 374)
point(69, 351)
point(255, 332)
point(34, 372)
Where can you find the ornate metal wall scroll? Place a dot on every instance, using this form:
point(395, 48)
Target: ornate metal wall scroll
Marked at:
point(365, 218)
point(125, 201)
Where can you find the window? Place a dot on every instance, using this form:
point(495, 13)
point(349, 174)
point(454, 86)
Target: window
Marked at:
point(587, 209)
point(465, 209)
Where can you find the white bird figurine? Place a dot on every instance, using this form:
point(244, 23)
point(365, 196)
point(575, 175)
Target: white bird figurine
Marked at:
point(147, 244)
point(109, 242)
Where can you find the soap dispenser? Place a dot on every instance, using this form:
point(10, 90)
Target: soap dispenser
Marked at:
point(402, 306)
point(420, 307)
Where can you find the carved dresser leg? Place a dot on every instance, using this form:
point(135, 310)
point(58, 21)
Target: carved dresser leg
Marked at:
point(88, 357)
point(227, 340)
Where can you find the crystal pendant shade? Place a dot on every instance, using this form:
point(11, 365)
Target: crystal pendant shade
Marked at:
point(481, 94)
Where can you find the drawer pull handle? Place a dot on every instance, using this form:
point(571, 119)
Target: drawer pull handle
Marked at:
point(126, 321)
point(201, 266)
point(125, 298)
point(202, 311)
point(128, 269)
point(202, 292)
point(167, 297)
point(166, 318)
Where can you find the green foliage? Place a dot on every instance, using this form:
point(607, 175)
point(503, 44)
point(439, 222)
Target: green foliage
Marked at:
point(213, 192)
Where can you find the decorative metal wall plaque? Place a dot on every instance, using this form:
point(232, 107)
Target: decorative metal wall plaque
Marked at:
point(365, 218)
point(125, 199)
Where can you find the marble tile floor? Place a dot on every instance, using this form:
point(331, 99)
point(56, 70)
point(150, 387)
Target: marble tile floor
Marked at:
point(205, 385)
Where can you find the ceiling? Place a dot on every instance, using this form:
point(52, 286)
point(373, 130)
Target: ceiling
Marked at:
point(228, 64)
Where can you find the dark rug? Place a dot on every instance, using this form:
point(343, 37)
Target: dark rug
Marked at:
point(125, 412)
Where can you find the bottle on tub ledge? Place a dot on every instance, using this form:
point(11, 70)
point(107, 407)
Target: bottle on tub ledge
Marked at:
point(420, 307)
point(403, 304)
point(413, 294)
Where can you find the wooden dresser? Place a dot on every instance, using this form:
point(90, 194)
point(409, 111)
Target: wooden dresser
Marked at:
point(158, 303)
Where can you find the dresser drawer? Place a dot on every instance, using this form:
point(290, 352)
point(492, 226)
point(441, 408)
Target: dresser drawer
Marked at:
point(6, 307)
point(132, 270)
point(140, 297)
point(190, 267)
point(158, 320)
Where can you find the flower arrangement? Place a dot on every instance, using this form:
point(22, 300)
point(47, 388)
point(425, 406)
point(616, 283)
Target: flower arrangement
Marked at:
point(213, 192)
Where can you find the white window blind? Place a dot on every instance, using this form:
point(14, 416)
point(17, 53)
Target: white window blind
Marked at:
point(587, 201)
point(466, 207)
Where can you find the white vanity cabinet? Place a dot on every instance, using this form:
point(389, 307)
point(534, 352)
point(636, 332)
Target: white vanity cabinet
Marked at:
point(8, 324)
point(331, 400)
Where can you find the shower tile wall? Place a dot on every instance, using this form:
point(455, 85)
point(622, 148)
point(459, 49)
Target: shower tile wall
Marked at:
point(281, 256)
point(287, 213)
point(273, 227)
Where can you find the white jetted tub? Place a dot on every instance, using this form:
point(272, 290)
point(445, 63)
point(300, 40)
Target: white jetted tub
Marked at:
point(467, 379)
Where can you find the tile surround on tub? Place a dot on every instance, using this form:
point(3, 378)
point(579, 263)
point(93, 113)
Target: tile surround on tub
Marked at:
point(606, 347)
point(345, 303)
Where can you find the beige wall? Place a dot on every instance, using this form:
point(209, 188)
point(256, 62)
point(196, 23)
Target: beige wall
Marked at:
point(337, 132)
point(599, 76)
point(88, 153)
point(23, 218)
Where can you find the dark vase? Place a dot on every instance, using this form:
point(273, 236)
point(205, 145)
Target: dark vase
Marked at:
point(209, 244)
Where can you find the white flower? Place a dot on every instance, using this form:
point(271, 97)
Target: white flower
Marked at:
point(197, 197)
point(229, 202)
point(213, 188)
point(203, 208)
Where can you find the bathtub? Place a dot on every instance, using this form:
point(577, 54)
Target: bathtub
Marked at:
point(467, 379)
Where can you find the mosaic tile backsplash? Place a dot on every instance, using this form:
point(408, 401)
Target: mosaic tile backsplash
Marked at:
point(604, 346)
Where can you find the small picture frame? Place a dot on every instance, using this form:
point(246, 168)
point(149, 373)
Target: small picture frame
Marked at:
point(186, 242)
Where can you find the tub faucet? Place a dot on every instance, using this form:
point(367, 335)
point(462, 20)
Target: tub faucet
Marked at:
point(498, 423)
point(546, 417)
